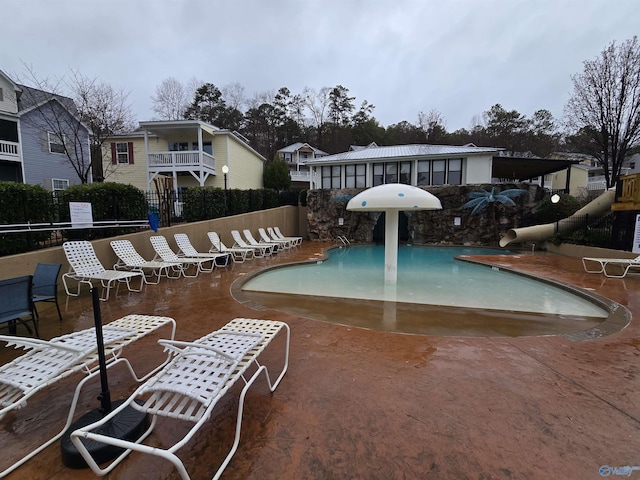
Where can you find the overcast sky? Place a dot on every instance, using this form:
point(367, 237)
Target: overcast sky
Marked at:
point(404, 56)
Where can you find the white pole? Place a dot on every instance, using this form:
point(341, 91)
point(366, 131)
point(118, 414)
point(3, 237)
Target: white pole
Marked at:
point(391, 246)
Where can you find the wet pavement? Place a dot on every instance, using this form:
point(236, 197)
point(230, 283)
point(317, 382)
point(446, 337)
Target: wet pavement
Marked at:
point(364, 404)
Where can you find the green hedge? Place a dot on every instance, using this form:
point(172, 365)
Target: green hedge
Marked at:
point(206, 203)
point(109, 201)
point(21, 203)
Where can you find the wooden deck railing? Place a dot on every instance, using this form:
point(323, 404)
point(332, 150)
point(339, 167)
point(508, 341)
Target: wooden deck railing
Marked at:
point(629, 198)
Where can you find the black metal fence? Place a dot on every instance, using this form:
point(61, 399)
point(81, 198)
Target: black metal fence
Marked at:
point(594, 231)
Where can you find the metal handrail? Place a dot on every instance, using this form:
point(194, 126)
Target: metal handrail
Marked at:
point(44, 227)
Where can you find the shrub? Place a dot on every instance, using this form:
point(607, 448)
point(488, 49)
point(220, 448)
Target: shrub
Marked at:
point(109, 201)
point(203, 203)
point(22, 203)
point(548, 212)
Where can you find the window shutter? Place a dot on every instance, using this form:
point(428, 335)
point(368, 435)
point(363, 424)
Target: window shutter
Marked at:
point(114, 157)
point(130, 147)
point(44, 137)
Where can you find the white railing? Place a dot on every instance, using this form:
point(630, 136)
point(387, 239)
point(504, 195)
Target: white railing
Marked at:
point(300, 176)
point(181, 159)
point(597, 183)
point(8, 149)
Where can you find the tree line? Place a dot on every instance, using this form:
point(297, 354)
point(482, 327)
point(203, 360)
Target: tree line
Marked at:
point(329, 119)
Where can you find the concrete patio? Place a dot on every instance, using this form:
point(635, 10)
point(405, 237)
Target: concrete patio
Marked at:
point(365, 404)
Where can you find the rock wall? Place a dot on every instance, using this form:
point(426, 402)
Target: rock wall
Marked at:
point(328, 217)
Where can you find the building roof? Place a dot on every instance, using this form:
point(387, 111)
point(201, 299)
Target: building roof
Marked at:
point(519, 168)
point(31, 98)
point(297, 146)
point(397, 152)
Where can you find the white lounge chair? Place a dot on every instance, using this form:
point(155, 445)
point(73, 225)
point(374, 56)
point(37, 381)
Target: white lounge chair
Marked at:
point(84, 267)
point(271, 247)
point(191, 385)
point(129, 259)
point(48, 362)
point(282, 244)
point(258, 251)
point(188, 250)
point(238, 254)
point(276, 230)
point(164, 252)
point(599, 265)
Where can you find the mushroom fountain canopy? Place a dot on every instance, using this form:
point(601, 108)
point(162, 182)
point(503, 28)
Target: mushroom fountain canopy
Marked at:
point(394, 196)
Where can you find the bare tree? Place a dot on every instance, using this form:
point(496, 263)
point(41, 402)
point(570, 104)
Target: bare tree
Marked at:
point(234, 96)
point(433, 125)
point(259, 98)
point(106, 112)
point(318, 104)
point(606, 104)
point(171, 99)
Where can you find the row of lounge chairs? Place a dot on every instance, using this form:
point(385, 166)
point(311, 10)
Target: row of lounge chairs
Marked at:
point(185, 387)
point(85, 267)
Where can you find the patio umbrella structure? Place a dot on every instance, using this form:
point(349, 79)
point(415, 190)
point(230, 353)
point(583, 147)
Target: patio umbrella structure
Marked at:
point(392, 198)
point(129, 424)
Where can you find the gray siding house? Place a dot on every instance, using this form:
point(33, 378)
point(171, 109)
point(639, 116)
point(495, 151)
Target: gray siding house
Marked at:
point(35, 128)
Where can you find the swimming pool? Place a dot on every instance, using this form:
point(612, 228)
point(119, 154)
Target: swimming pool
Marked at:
point(433, 289)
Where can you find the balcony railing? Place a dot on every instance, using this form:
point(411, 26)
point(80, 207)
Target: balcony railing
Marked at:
point(597, 182)
point(300, 176)
point(9, 150)
point(181, 160)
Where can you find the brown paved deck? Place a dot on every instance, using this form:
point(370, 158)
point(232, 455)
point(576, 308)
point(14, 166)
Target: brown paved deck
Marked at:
point(371, 405)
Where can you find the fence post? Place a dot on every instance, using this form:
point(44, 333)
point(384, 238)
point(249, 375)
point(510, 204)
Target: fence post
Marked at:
point(586, 225)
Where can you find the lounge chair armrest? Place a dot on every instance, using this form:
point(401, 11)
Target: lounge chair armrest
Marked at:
point(29, 343)
point(174, 345)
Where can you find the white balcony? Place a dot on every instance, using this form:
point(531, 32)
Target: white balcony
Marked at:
point(300, 176)
point(597, 182)
point(9, 151)
point(181, 161)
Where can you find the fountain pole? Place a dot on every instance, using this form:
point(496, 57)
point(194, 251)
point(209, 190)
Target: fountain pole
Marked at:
point(391, 246)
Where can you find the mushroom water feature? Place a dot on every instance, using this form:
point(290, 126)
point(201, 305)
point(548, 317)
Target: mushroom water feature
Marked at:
point(392, 198)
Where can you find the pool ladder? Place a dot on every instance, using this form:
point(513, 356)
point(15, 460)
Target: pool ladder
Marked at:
point(344, 240)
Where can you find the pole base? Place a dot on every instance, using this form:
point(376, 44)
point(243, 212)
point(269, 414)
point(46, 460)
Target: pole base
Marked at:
point(129, 424)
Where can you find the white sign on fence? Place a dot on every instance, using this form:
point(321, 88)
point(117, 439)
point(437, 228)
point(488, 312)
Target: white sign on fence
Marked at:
point(81, 214)
point(636, 236)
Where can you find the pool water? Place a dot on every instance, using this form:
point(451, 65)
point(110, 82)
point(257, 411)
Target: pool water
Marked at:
point(435, 293)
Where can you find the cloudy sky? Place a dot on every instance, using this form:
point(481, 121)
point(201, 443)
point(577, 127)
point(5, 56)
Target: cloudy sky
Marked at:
point(458, 57)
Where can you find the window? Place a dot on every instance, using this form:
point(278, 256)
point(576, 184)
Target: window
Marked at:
point(455, 171)
point(390, 173)
point(178, 146)
point(405, 173)
point(439, 172)
point(355, 176)
point(335, 176)
point(122, 153)
point(331, 177)
point(206, 147)
point(58, 184)
point(56, 144)
point(326, 177)
point(424, 170)
point(378, 174)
